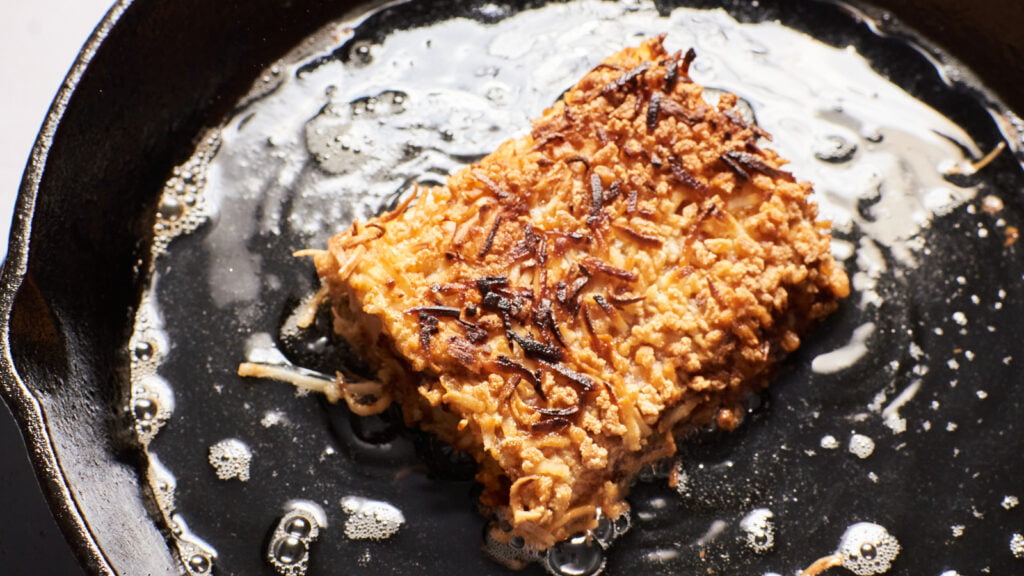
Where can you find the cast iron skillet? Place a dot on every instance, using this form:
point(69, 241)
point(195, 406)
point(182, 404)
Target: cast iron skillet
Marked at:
point(152, 76)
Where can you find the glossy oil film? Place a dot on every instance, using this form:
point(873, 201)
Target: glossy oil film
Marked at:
point(888, 440)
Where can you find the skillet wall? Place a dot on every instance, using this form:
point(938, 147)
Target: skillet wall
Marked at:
point(166, 71)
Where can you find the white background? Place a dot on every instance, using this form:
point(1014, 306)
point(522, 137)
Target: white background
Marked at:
point(39, 40)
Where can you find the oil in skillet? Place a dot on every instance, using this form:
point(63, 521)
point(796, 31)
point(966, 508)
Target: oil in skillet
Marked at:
point(343, 134)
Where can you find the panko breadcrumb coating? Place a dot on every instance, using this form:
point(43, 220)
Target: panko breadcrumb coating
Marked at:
point(634, 266)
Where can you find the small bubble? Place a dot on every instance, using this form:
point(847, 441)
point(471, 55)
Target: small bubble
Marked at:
point(605, 530)
point(143, 351)
point(299, 527)
point(360, 53)
point(834, 149)
point(170, 209)
point(577, 556)
point(199, 564)
point(759, 529)
point(873, 134)
point(622, 524)
point(289, 550)
point(868, 552)
point(144, 409)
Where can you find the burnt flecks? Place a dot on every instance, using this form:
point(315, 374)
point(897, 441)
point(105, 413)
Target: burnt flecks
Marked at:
point(626, 78)
point(559, 411)
point(639, 236)
point(688, 59)
point(738, 120)
point(682, 176)
point(489, 241)
point(447, 311)
point(550, 425)
point(429, 326)
point(676, 110)
point(624, 299)
point(491, 185)
point(735, 166)
point(537, 350)
point(509, 365)
point(671, 72)
point(604, 304)
point(582, 380)
point(544, 319)
point(474, 333)
point(653, 110)
point(592, 264)
point(751, 162)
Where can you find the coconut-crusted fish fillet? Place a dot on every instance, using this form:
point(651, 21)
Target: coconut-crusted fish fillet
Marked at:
point(635, 265)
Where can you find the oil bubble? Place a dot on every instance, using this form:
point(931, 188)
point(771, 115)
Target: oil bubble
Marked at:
point(144, 409)
point(605, 530)
point(359, 54)
point(834, 149)
point(289, 548)
point(577, 556)
point(170, 209)
point(298, 527)
point(759, 530)
point(151, 405)
point(199, 564)
point(142, 351)
point(623, 523)
point(197, 556)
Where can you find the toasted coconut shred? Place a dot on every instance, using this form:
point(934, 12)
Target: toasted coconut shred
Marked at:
point(559, 310)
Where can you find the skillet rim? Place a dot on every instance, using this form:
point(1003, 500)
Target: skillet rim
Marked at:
point(19, 398)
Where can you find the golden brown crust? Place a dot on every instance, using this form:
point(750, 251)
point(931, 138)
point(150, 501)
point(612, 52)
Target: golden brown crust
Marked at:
point(635, 264)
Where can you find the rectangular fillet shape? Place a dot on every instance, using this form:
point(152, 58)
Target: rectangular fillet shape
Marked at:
point(633, 267)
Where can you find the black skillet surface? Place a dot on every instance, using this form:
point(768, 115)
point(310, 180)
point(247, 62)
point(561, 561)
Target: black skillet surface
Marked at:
point(71, 287)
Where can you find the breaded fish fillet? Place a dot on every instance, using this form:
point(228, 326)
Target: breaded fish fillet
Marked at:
point(635, 265)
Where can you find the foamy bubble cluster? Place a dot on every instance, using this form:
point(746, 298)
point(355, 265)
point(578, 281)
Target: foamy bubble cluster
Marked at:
point(370, 519)
point(230, 458)
point(759, 530)
point(514, 554)
point(183, 206)
point(868, 549)
point(861, 446)
point(1017, 545)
